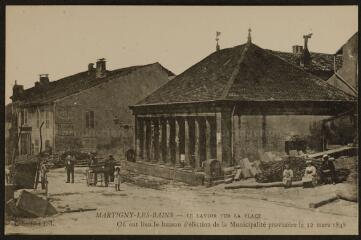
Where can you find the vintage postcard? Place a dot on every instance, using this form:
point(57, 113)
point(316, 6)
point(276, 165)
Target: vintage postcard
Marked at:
point(152, 120)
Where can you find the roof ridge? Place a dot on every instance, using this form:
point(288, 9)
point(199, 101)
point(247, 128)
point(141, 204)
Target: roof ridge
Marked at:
point(235, 71)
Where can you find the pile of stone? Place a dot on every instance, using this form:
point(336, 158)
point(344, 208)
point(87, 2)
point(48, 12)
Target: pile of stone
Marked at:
point(143, 180)
point(29, 205)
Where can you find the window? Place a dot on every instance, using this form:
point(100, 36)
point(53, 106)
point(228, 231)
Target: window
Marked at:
point(89, 119)
point(47, 121)
point(24, 117)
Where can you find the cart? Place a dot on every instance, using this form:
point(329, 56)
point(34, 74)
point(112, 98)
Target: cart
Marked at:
point(95, 173)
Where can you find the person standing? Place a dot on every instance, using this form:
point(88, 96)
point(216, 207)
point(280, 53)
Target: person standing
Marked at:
point(94, 163)
point(112, 168)
point(287, 176)
point(69, 165)
point(43, 175)
point(327, 171)
point(117, 178)
point(106, 170)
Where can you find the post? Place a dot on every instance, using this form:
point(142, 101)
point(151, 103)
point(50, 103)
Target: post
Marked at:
point(148, 132)
point(177, 142)
point(226, 136)
point(163, 141)
point(219, 136)
point(197, 144)
point(156, 140)
point(141, 139)
point(208, 134)
point(186, 144)
point(236, 138)
point(169, 143)
point(151, 147)
point(137, 136)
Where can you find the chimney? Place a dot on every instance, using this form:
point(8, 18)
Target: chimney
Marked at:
point(306, 56)
point(90, 68)
point(100, 68)
point(297, 49)
point(17, 92)
point(44, 79)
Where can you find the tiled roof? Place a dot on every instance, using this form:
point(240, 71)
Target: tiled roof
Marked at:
point(73, 84)
point(245, 73)
point(320, 61)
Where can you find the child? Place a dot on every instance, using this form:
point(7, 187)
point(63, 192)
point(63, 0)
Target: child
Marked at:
point(117, 178)
point(287, 176)
point(309, 179)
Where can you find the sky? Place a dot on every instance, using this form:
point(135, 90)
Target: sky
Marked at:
point(63, 40)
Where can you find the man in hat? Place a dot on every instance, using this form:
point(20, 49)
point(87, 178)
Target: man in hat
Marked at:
point(309, 178)
point(328, 173)
point(43, 174)
point(109, 170)
point(69, 166)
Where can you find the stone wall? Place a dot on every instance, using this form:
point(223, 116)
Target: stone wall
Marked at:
point(108, 101)
point(250, 137)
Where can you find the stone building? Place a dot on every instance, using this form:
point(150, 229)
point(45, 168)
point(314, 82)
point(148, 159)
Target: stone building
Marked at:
point(346, 76)
point(230, 105)
point(86, 111)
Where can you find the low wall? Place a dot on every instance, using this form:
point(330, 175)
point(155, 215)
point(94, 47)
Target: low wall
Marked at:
point(167, 172)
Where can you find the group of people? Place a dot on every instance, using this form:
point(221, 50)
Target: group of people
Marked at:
point(309, 179)
point(110, 172)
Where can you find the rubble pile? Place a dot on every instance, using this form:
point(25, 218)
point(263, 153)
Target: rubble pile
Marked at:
point(29, 205)
point(143, 180)
point(272, 171)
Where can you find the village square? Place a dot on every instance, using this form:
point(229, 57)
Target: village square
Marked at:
point(244, 140)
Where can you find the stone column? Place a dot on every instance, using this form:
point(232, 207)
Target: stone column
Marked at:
point(151, 147)
point(187, 144)
point(236, 139)
point(148, 137)
point(163, 141)
point(155, 140)
point(197, 144)
point(169, 141)
point(177, 142)
point(137, 134)
point(219, 136)
point(226, 129)
point(208, 139)
point(142, 153)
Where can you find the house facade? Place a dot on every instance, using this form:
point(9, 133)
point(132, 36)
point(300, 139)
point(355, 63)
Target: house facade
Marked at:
point(84, 112)
point(230, 105)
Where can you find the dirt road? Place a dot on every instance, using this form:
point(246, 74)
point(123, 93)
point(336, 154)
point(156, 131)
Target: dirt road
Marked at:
point(180, 209)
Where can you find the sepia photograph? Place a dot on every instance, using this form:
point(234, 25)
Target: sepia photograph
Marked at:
point(181, 120)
